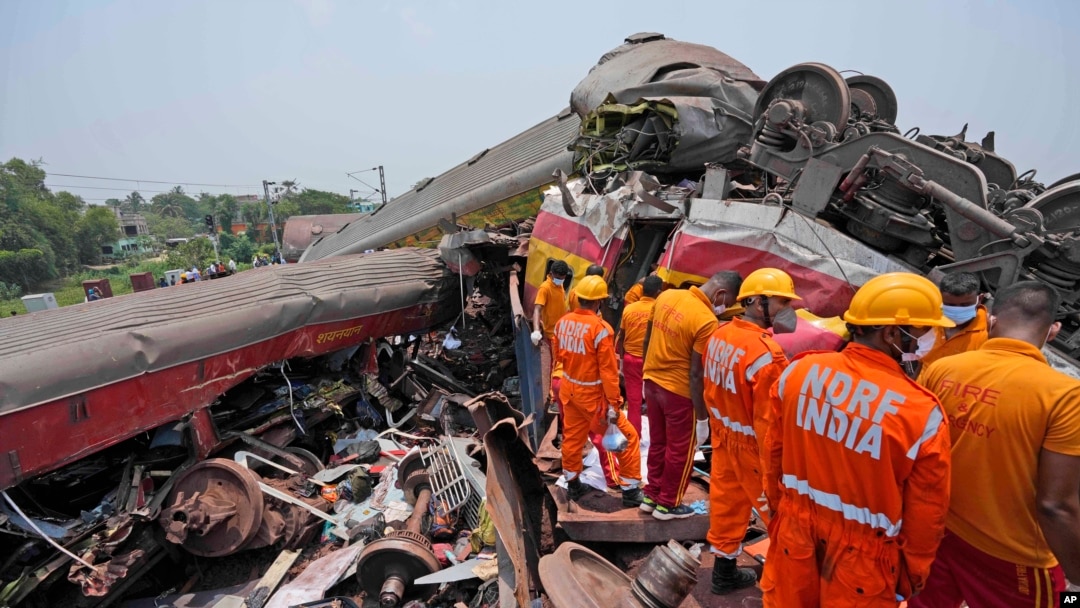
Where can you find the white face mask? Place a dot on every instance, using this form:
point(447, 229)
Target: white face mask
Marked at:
point(719, 310)
point(923, 345)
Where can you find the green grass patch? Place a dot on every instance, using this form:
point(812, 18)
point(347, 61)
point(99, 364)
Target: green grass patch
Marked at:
point(119, 281)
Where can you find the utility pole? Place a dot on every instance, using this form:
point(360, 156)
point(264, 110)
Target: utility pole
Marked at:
point(270, 210)
point(382, 184)
point(352, 198)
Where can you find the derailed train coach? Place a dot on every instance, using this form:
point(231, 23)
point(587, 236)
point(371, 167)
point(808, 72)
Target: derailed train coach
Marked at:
point(680, 159)
point(808, 173)
point(104, 405)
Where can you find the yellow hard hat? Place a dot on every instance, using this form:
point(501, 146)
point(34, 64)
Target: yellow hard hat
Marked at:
point(183, 275)
point(591, 287)
point(897, 298)
point(768, 282)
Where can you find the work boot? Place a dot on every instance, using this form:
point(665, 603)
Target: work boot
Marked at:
point(575, 489)
point(727, 577)
point(633, 497)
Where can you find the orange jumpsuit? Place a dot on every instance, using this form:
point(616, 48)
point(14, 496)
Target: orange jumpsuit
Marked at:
point(742, 362)
point(585, 347)
point(857, 473)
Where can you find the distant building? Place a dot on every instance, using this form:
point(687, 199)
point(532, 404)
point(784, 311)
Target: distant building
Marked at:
point(131, 224)
point(134, 236)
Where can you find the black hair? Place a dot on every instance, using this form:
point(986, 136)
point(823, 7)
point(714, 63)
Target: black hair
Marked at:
point(1026, 301)
point(651, 286)
point(731, 280)
point(595, 270)
point(959, 284)
point(559, 267)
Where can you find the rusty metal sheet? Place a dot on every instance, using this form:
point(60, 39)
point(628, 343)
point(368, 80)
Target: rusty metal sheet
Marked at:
point(515, 497)
point(624, 525)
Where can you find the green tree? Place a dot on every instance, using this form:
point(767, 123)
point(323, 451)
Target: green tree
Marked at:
point(97, 227)
point(134, 202)
point(320, 202)
point(196, 252)
point(169, 227)
point(240, 248)
point(174, 203)
point(226, 209)
point(26, 267)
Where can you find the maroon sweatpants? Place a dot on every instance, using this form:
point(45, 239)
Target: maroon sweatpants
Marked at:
point(671, 444)
point(962, 573)
point(631, 369)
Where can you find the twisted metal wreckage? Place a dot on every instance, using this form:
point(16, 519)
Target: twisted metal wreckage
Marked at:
point(204, 417)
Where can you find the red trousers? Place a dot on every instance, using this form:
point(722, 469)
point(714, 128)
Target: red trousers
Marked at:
point(608, 462)
point(671, 444)
point(962, 573)
point(631, 369)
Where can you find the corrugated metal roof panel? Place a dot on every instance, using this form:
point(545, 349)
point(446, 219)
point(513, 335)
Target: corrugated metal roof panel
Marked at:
point(53, 353)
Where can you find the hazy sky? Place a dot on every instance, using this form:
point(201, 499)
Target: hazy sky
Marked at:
point(234, 92)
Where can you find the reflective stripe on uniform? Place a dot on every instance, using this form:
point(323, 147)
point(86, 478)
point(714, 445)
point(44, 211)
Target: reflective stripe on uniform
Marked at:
point(600, 336)
point(733, 425)
point(783, 377)
point(850, 512)
point(756, 366)
point(932, 425)
point(581, 382)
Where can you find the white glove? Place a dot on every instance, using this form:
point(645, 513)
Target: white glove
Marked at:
point(702, 429)
point(536, 336)
point(612, 416)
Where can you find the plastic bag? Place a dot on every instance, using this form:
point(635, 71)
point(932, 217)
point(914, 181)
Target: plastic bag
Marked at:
point(450, 342)
point(614, 441)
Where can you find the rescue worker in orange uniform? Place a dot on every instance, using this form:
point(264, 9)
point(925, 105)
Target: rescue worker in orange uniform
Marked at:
point(585, 347)
point(742, 362)
point(1015, 428)
point(858, 465)
point(594, 270)
point(681, 323)
point(548, 307)
point(631, 345)
point(608, 462)
point(961, 303)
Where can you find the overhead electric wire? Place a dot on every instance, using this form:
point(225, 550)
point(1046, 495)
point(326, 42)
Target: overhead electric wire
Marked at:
point(101, 188)
point(152, 181)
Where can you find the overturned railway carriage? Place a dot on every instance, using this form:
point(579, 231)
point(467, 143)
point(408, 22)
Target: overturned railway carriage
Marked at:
point(99, 395)
point(679, 158)
point(809, 174)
